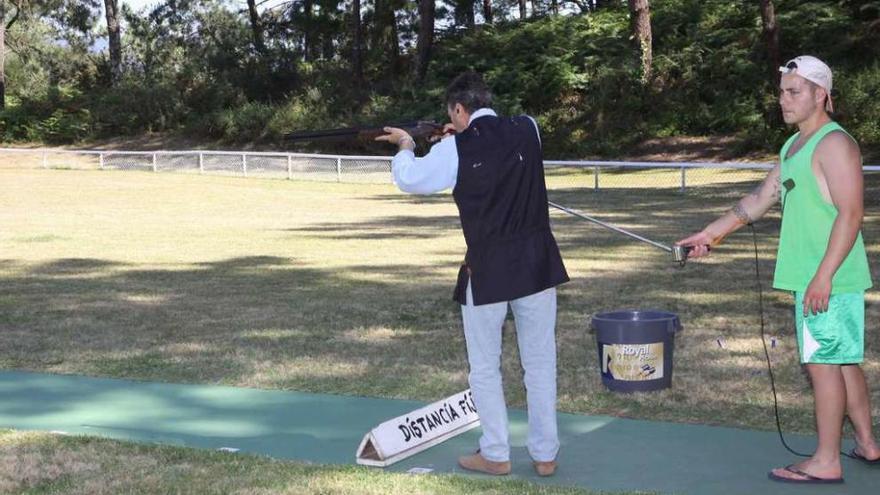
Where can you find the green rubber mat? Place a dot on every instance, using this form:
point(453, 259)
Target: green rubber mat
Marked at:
point(600, 453)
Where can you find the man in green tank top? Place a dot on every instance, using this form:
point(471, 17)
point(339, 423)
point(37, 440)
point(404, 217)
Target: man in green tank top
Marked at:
point(821, 260)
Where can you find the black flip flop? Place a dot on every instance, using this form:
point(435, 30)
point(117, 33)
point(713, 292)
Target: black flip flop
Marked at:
point(860, 457)
point(808, 479)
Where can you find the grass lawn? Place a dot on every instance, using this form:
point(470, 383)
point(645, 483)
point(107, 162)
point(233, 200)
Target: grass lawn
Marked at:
point(45, 463)
point(346, 289)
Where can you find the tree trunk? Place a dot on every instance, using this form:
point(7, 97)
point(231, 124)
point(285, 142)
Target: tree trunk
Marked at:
point(256, 28)
point(384, 41)
point(2, 54)
point(3, 27)
point(327, 49)
point(771, 37)
point(308, 34)
point(111, 8)
point(770, 31)
point(522, 9)
point(464, 13)
point(357, 65)
point(426, 38)
point(487, 11)
point(640, 18)
point(374, 29)
point(392, 40)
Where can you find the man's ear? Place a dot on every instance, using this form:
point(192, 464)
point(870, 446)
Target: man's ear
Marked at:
point(822, 94)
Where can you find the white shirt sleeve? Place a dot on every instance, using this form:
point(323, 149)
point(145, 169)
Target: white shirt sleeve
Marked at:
point(435, 172)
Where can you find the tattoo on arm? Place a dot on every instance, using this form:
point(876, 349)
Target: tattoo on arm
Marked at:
point(741, 214)
point(756, 192)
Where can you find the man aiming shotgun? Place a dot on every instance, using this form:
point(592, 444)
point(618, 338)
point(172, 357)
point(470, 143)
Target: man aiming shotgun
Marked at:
point(494, 167)
point(821, 260)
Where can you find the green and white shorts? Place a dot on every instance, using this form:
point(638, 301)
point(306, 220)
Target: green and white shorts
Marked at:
point(836, 336)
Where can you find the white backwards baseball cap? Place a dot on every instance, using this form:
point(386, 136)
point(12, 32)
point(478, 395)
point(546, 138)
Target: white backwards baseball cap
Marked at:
point(814, 70)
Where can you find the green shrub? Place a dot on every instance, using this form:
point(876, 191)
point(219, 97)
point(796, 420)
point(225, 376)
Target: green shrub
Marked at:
point(135, 106)
point(18, 122)
point(65, 126)
point(58, 119)
point(859, 103)
point(247, 122)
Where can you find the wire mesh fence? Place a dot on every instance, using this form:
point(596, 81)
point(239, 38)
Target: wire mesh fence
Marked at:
point(601, 175)
point(560, 175)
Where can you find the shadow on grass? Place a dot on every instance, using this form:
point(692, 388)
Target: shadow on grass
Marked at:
point(387, 228)
point(263, 320)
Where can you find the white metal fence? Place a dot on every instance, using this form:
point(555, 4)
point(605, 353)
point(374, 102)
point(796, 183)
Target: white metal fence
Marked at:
point(590, 174)
point(237, 163)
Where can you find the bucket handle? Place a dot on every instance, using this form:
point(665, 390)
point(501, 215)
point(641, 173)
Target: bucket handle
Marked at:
point(673, 327)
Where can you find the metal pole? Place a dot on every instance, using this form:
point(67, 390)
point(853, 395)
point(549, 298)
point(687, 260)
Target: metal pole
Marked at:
point(339, 169)
point(201, 163)
point(244, 164)
point(596, 178)
point(610, 227)
point(45, 160)
point(155, 167)
point(101, 160)
point(289, 167)
point(683, 183)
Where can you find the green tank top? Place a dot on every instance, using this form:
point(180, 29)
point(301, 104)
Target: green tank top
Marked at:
point(806, 226)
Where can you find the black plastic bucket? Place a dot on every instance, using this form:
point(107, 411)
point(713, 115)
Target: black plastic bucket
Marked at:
point(635, 349)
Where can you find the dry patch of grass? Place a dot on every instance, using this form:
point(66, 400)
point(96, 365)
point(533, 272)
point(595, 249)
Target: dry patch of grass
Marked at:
point(73, 465)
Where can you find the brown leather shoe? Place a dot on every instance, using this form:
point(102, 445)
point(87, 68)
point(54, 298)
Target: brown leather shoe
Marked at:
point(547, 468)
point(476, 462)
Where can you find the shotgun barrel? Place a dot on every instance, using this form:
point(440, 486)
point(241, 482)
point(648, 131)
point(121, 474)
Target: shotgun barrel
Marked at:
point(419, 129)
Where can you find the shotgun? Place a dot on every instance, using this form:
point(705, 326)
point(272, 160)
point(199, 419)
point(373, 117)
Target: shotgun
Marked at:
point(421, 129)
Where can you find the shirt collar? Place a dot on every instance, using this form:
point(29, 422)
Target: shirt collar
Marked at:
point(482, 113)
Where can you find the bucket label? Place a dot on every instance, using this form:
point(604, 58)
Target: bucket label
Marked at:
point(632, 362)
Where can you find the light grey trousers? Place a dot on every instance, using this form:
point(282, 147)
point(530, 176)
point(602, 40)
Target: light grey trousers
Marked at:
point(535, 318)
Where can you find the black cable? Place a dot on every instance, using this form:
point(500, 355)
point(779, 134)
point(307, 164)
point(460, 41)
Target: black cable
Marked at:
point(767, 353)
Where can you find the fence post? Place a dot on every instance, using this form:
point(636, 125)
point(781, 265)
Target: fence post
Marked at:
point(244, 164)
point(596, 178)
point(683, 180)
point(338, 169)
point(101, 160)
point(45, 160)
point(289, 168)
point(155, 167)
point(201, 163)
